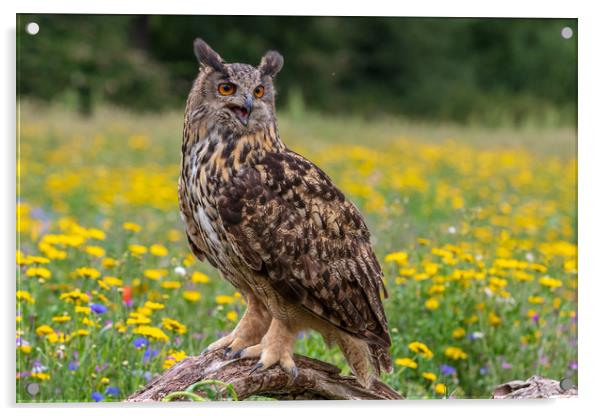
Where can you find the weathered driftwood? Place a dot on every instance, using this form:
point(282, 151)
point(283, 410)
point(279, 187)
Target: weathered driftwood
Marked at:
point(316, 380)
point(535, 387)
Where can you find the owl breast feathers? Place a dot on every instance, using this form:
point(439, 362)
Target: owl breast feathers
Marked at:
point(275, 225)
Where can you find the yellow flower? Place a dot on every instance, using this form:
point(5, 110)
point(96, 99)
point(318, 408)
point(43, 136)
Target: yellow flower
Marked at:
point(429, 376)
point(174, 235)
point(61, 318)
point(112, 281)
point(75, 296)
point(431, 268)
point(137, 318)
point(109, 262)
point(158, 250)
point(458, 333)
point(232, 316)
point(155, 274)
point(26, 296)
point(79, 333)
point(538, 300)
point(137, 249)
point(39, 272)
point(151, 332)
point(440, 388)
point(431, 304)
point(173, 357)
point(130, 226)
point(455, 353)
point(104, 380)
point(191, 295)
point(550, 282)
point(41, 376)
point(494, 319)
point(83, 310)
point(420, 348)
point(400, 257)
point(88, 272)
point(26, 349)
point(406, 362)
point(155, 306)
point(198, 277)
point(44, 330)
point(556, 303)
point(95, 251)
point(96, 234)
point(171, 284)
point(173, 325)
point(224, 299)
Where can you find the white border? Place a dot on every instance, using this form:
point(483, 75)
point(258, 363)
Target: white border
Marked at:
point(590, 208)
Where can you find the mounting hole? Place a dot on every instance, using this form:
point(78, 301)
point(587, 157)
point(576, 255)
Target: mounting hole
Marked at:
point(566, 32)
point(32, 28)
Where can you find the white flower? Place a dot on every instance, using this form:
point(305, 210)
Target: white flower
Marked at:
point(451, 230)
point(180, 271)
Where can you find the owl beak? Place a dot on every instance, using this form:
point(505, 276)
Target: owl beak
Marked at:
point(248, 106)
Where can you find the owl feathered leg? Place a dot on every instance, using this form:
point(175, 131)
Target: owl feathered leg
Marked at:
point(249, 331)
point(359, 356)
point(276, 347)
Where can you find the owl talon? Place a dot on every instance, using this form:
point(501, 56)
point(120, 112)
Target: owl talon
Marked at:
point(293, 373)
point(227, 352)
point(257, 367)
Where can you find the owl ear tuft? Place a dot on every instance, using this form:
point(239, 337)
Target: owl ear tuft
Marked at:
point(271, 63)
point(207, 56)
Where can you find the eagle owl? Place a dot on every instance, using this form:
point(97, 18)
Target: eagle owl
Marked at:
point(275, 226)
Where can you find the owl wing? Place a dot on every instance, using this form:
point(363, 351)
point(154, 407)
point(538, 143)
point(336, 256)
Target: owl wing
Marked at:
point(289, 222)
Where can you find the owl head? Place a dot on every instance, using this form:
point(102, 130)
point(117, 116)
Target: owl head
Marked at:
point(238, 96)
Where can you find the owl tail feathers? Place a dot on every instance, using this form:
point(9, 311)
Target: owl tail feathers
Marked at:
point(366, 361)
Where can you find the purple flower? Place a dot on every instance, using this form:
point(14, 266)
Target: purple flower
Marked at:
point(147, 376)
point(543, 360)
point(140, 342)
point(112, 391)
point(97, 397)
point(506, 366)
point(98, 308)
point(101, 367)
point(149, 354)
point(573, 365)
point(535, 318)
point(447, 370)
point(483, 370)
point(73, 365)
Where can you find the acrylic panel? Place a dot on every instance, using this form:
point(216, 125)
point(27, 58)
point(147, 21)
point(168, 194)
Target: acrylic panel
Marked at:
point(295, 207)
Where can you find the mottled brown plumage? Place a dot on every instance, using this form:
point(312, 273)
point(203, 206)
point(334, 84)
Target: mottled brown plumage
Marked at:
point(275, 225)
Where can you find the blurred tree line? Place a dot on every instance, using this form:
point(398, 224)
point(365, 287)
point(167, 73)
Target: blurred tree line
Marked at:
point(491, 71)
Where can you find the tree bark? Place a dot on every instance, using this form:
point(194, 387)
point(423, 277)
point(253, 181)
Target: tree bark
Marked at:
point(317, 380)
point(536, 387)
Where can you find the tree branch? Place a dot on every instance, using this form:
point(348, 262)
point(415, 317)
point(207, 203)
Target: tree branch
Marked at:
point(316, 380)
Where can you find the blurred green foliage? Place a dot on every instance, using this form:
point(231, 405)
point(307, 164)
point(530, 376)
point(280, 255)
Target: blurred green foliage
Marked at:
point(467, 70)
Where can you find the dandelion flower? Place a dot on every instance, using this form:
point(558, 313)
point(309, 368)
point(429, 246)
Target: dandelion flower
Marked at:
point(399, 257)
point(440, 388)
point(151, 332)
point(198, 277)
point(191, 295)
point(431, 304)
point(224, 300)
point(420, 348)
point(232, 316)
point(455, 353)
point(429, 376)
point(137, 249)
point(158, 250)
point(26, 296)
point(458, 333)
point(39, 272)
point(406, 362)
point(130, 226)
point(173, 325)
point(95, 251)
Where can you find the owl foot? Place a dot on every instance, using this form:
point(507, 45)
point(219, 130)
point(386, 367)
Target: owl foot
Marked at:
point(276, 347)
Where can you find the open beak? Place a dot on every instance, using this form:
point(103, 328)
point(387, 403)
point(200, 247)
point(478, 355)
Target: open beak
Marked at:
point(243, 112)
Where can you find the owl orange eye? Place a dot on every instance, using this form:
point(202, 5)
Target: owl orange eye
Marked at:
point(226, 88)
point(259, 91)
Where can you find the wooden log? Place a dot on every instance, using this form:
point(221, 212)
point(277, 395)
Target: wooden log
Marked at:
point(317, 380)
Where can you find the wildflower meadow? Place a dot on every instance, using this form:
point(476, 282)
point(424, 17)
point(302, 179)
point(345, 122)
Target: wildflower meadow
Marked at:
point(475, 230)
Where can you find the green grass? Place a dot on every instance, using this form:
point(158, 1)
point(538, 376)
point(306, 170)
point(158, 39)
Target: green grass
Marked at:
point(482, 215)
